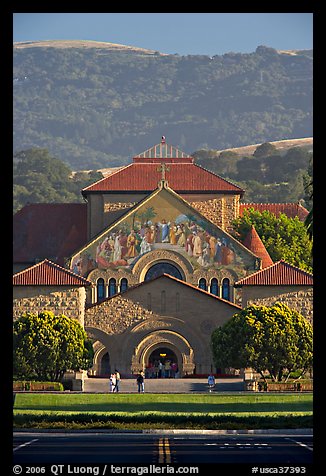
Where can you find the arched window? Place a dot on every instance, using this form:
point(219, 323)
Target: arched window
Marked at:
point(123, 285)
point(100, 289)
point(112, 287)
point(214, 287)
point(226, 289)
point(202, 284)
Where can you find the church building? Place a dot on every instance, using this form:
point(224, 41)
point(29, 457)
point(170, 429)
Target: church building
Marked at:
point(148, 264)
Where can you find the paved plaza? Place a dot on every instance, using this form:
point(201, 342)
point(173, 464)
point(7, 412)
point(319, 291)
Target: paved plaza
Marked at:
point(166, 385)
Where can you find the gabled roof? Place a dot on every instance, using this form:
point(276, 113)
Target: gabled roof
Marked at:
point(182, 174)
point(162, 190)
point(254, 243)
point(278, 274)
point(144, 177)
point(48, 273)
point(291, 210)
point(48, 230)
point(164, 275)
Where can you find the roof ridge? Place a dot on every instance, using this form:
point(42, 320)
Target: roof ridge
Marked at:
point(274, 265)
point(217, 175)
point(51, 264)
point(110, 175)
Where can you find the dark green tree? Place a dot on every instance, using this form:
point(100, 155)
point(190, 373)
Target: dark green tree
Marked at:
point(284, 238)
point(46, 345)
point(264, 150)
point(276, 339)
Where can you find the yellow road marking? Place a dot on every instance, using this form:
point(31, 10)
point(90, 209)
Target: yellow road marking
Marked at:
point(164, 451)
point(167, 450)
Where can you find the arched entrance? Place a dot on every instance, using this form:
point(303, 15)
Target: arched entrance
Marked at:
point(105, 368)
point(163, 267)
point(160, 342)
point(162, 363)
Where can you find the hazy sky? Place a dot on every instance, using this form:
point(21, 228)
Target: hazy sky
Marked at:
point(181, 33)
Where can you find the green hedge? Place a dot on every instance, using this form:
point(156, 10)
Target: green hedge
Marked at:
point(154, 420)
point(27, 385)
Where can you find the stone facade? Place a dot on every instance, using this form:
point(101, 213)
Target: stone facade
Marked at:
point(221, 211)
point(299, 298)
point(160, 313)
point(58, 299)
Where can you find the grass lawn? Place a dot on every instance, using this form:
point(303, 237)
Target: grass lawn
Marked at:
point(134, 411)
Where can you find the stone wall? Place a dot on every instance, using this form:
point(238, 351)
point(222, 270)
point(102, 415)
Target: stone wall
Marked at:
point(116, 315)
point(221, 211)
point(162, 312)
point(60, 300)
point(299, 298)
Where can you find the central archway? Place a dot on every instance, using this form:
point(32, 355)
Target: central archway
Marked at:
point(162, 362)
point(163, 268)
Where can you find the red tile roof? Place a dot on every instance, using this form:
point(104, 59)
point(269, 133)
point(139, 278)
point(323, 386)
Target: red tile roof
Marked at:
point(182, 176)
point(290, 209)
point(278, 274)
point(48, 230)
point(47, 273)
point(254, 243)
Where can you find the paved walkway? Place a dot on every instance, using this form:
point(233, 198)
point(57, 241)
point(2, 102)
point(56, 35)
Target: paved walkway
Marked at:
point(180, 385)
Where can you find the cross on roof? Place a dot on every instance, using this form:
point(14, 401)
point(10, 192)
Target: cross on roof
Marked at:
point(163, 168)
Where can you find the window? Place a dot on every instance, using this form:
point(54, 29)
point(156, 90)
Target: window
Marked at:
point(160, 268)
point(112, 287)
point(123, 285)
point(100, 289)
point(202, 284)
point(226, 289)
point(214, 287)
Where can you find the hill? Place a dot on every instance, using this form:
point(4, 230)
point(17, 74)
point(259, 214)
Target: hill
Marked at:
point(281, 146)
point(95, 104)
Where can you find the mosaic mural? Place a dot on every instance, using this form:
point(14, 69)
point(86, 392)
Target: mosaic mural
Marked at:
point(163, 222)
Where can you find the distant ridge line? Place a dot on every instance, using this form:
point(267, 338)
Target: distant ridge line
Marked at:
point(279, 144)
point(85, 44)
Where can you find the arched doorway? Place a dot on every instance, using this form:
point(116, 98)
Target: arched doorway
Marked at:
point(162, 363)
point(105, 365)
point(161, 268)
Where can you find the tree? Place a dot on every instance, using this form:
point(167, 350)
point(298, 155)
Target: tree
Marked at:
point(265, 149)
point(45, 346)
point(284, 238)
point(277, 339)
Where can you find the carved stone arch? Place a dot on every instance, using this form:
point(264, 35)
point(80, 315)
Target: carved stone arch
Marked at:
point(176, 342)
point(159, 324)
point(99, 352)
point(104, 342)
point(145, 262)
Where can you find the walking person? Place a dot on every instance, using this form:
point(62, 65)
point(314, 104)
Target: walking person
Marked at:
point(211, 382)
point(160, 369)
point(140, 382)
point(118, 378)
point(113, 381)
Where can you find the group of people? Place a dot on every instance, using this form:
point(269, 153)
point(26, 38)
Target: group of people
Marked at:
point(121, 246)
point(140, 381)
point(158, 369)
point(115, 381)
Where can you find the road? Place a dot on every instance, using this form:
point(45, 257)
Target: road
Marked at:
point(161, 448)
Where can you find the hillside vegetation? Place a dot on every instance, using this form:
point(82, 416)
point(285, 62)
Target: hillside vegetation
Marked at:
point(95, 105)
point(266, 176)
